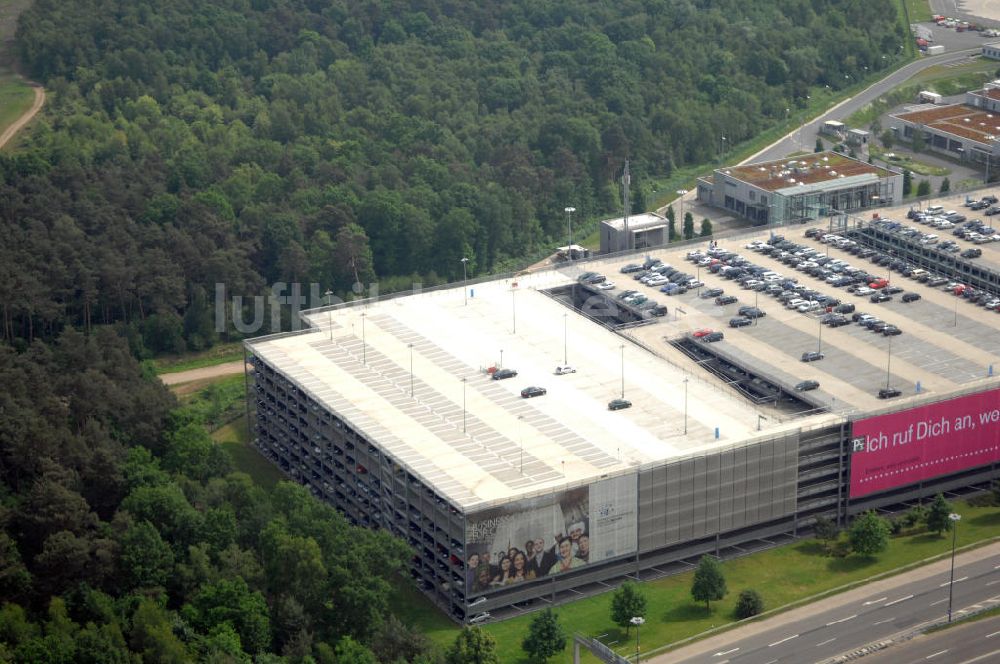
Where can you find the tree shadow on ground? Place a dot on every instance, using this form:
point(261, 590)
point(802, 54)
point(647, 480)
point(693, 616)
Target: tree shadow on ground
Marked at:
point(927, 538)
point(686, 612)
point(812, 548)
point(988, 519)
point(851, 563)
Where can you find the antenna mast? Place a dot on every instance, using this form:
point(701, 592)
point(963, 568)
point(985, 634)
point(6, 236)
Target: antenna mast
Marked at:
point(627, 184)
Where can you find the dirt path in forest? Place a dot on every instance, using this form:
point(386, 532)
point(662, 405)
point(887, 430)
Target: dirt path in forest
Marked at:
point(204, 373)
point(36, 106)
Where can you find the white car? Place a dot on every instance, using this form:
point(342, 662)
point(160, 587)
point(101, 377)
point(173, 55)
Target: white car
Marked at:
point(565, 369)
point(864, 290)
point(606, 285)
point(808, 306)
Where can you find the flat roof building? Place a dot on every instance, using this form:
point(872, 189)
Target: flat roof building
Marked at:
point(639, 231)
point(800, 189)
point(388, 409)
point(967, 131)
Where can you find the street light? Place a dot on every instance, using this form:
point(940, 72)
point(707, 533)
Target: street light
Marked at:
point(329, 312)
point(888, 362)
point(520, 436)
point(569, 225)
point(501, 359)
point(513, 310)
point(411, 370)
point(565, 337)
point(819, 342)
point(364, 343)
point(623, 370)
point(955, 518)
point(465, 281)
point(637, 621)
point(681, 193)
point(463, 405)
point(685, 406)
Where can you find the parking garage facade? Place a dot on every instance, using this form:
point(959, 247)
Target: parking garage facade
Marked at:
point(725, 502)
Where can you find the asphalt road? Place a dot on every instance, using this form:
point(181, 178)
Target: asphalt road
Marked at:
point(977, 642)
point(804, 138)
point(866, 615)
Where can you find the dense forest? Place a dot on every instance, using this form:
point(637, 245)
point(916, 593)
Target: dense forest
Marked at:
point(188, 143)
point(195, 142)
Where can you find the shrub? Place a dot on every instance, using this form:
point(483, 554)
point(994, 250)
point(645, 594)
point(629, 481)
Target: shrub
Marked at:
point(749, 603)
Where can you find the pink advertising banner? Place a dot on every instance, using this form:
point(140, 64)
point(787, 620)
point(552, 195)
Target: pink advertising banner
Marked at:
point(902, 448)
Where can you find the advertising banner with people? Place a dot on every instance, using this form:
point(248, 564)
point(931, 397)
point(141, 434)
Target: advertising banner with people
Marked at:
point(921, 443)
point(547, 535)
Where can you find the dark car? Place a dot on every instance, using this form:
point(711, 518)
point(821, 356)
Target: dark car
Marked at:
point(630, 268)
point(892, 290)
point(740, 322)
point(891, 331)
point(888, 393)
point(880, 297)
point(619, 404)
point(725, 299)
point(501, 374)
point(910, 297)
point(713, 336)
point(812, 356)
point(807, 385)
point(972, 253)
point(844, 308)
point(752, 312)
point(710, 293)
point(532, 391)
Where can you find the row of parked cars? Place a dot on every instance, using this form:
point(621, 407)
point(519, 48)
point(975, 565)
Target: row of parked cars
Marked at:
point(836, 272)
point(984, 298)
point(972, 230)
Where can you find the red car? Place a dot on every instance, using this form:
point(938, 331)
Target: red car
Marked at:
point(879, 283)
point(698, 334)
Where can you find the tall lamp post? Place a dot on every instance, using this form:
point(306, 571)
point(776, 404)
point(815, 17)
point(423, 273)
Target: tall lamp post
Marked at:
point(465, 281)
point(955, 518)
point(569, 226)
point(364, 342)
point(888, 363)
point(411, 371)
point(623, 370)
point(819, 341)
point(329, 312)
point(565, 338)
point(638, 621)
point(685, 406)
point(682, 193)
point(520, 436)
point(463, 405)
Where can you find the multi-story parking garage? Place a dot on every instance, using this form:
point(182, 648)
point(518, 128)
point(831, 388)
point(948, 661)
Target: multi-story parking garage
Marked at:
point(388, 410)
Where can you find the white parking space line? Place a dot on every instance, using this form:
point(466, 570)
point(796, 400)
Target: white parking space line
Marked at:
point(901, 599)
point(778, 643)
point(990, 583)
point(939, 601)
point(727, 652)
point(882, 622)
point(826, 642)
point(875, 601)
point(835, 622)
point(988, 656)
point(989, 636)
point(935, 654)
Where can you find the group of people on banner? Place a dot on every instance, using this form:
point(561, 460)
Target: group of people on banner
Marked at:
point(487, 570)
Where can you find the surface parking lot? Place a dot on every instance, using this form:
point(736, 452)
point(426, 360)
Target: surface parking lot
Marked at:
point(947, 343)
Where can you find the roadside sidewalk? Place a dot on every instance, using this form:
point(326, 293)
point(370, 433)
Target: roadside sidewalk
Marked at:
point(724, 640)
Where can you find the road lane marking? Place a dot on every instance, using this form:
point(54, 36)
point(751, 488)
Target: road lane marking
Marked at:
point(989, 655)
point(901, 599)
point(778, 643)
point(826, 642)
point(992, 635)
point(936, 654)
point(882, 622)
point(956, 581)
point(939, 601)
point(727, 652)
point(875, 601)
point(990, 583)
point(835, 622)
